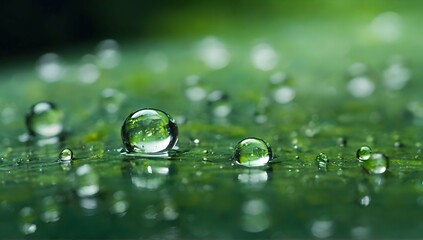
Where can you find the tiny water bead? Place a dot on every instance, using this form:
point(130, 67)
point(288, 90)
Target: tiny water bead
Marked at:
point(364, 153)
point(66, 155)
point(252, 152)
point(378, 163)
point(149, 131)
point(44, 119)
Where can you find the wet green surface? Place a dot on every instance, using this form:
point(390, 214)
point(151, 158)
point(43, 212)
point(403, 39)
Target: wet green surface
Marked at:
point(199, 192)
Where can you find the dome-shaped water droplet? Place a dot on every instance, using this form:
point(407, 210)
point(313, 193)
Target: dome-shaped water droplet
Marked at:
point(45, 120)
point(252, 152)
point(377, 164)
point(86, 181)
point(364, 153)
point(66, 155)
point(149, 131)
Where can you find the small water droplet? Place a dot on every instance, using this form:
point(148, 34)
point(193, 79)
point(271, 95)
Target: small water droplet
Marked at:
point(377, 164)
point(27, 221)
point(364, 153)
point(44, 119)
point(86, 181)
point(149, 131)
point(252, 152)
point(66, 155)
point(322, 161)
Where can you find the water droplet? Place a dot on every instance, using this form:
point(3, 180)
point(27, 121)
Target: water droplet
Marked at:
point(51, 210)
point(364, 153)
point(108, 54)
point(387, 26)
point(149, 131)
point(255, 218)
point(360, 87)
point(264, 57)
point(322, 161)
point(49, 67)
point(66, 155)
point(86, 181)
point(27, 220)
point(213, 53)
point(377, 164)
point(44, 119)
point(252, 152)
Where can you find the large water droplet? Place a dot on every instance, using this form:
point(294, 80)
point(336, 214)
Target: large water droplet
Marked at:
point(66, 155)
point(364, 153)
point(149, 131)
point(45, 120)
point(377, 164)
point(252, 152)
point(27, 220)
point(86, 181)
point(49, 67)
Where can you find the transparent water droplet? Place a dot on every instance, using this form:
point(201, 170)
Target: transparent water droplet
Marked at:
point(255, 218)
point(66, 155)
point(86, 181)
point(51, 210)
point(44, 119)
point(149, 131)
point(264, 57)
point(108, 54)
point(119, 204)
point(377, 164)
point(252, 152)
point(360, 87)
point(387, 26)
point(364, 153)
point(322, 161)
point(213, 53)
point(50, 68)
point(27, 221)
